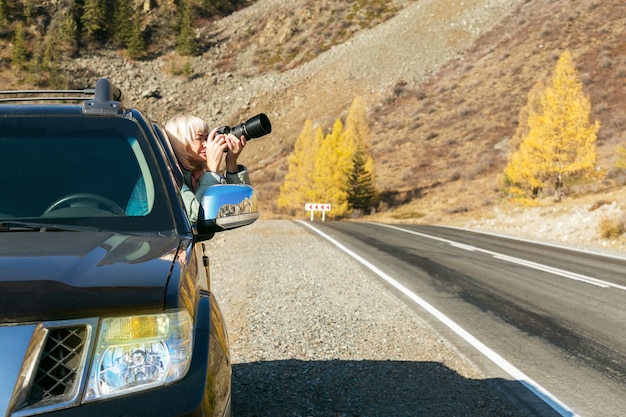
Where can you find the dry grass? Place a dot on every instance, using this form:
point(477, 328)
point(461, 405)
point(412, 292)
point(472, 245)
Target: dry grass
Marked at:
point(453, 130)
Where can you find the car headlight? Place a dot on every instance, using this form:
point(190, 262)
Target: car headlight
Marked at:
point(139, 352)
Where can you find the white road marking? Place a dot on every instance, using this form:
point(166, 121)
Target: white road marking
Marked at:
point(506, 366)
point(556, 271)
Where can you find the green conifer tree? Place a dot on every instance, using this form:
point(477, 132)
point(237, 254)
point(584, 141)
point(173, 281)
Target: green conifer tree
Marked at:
point(68, 34)
point(360, 177)
point(19, 54)
point(51, 61)
point(3, 14)
point(213, 7)
point(136, 46)
point(186, 42)
point(361, 191)
point(29, 11)
point(94, 20)
point(123, 24)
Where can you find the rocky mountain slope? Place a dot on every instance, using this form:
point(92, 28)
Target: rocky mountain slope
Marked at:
point(405, 51)
point(444, 81)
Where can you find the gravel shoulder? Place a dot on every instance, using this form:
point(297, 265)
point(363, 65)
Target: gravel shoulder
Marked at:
point(314, 334)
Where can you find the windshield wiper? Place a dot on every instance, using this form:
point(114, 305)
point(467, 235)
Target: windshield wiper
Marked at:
point(17, 225)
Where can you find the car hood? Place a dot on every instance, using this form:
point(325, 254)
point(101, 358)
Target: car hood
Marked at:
point(59, 275)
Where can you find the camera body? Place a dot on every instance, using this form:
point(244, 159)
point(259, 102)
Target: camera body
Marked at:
point(255, 127)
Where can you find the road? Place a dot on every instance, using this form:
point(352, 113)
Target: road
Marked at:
point(551, 318)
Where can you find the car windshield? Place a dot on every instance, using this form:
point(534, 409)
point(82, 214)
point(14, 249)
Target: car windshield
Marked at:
point(90, 171)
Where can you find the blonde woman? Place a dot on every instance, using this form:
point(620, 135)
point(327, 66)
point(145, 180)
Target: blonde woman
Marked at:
point(199, 153)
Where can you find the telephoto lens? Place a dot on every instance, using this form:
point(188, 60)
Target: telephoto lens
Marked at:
point(255, 127)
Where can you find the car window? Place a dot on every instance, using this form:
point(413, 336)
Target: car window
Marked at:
point(169, 152)
point(76, 168)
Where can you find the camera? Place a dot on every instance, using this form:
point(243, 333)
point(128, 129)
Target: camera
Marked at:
point(255, 127)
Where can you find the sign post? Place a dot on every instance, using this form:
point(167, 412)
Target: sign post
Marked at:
point(313, 207)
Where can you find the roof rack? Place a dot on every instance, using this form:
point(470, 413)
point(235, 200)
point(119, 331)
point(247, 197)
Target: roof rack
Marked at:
point(45, 95)
point(106, 97)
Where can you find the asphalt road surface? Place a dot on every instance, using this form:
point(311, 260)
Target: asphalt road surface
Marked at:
point(552, 318)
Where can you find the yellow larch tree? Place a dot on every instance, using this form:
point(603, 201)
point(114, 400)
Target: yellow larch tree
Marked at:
point(297, 183)
point(620, 161)
point(311, 194)
point(520, 172)
point(357, 126)
point(560, 144)
point(335, 169)
point(533, 105)
point(332, 162)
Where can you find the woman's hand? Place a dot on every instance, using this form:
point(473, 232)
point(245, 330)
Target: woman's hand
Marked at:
point(215, 145)
point(235, 147)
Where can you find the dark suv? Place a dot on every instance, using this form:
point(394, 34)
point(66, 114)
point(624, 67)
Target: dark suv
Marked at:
point(105, 300)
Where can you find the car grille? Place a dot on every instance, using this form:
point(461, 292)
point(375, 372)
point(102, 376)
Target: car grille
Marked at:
point(57, 374)
point(54, 369)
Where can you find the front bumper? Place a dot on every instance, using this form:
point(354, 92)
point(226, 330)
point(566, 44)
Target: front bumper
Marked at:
point(190, 396)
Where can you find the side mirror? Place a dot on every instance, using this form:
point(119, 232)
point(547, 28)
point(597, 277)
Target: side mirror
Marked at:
point(227, 206)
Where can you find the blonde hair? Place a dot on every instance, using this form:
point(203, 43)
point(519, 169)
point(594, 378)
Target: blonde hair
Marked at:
point(181, 131)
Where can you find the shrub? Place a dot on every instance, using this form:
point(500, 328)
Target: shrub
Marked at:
point(611, 228)
point(599, 204)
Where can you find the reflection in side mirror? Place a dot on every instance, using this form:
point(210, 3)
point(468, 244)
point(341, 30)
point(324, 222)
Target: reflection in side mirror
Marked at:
point(227, 206)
